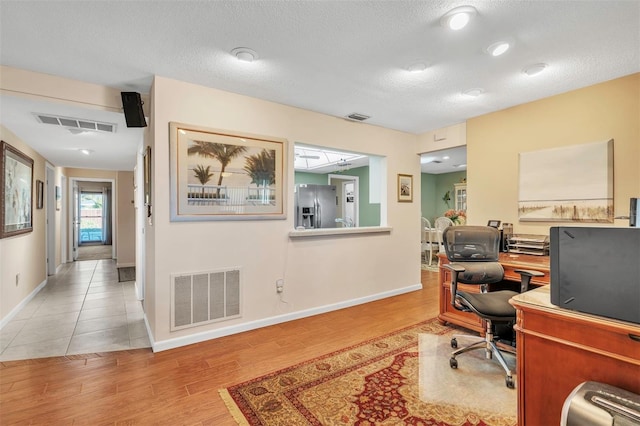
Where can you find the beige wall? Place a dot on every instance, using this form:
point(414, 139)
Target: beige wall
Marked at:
point(609, 110)
point(23, 254)
point(317, 271)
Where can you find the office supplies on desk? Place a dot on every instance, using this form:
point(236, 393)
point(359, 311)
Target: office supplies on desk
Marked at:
point(537, 245)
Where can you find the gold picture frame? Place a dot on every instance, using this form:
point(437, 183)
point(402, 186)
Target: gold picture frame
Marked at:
point(16, 192)
point(226, 175)
point(405, 188)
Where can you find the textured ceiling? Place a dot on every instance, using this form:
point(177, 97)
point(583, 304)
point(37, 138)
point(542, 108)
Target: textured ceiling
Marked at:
point(333, 57)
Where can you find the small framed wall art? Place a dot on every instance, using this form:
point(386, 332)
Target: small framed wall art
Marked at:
point(405, 188)
point(39, 194)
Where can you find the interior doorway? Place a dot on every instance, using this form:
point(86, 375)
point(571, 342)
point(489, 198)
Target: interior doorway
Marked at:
point(93, 219)
point(348, 199)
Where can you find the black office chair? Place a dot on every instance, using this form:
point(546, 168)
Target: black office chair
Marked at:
point(473, 252)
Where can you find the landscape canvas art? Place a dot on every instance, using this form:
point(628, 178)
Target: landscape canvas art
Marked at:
point(222, 175)
point(567, 184)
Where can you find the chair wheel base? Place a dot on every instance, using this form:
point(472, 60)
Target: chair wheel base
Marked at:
point(454, 343)
point(453, 363)
point(509, 382)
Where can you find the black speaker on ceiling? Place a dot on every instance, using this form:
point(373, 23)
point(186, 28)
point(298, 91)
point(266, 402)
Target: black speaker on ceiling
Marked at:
point(133, 113)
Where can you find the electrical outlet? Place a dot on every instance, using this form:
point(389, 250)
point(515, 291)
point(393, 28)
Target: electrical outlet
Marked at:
point(17, 279)
point(279, 286)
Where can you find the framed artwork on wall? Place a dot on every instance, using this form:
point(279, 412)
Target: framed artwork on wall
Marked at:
point(147, 179)
point(405, 188)
point(226, 175)
point(16, 192)
point(39, 194)
point(58, 198)
point(567, 184)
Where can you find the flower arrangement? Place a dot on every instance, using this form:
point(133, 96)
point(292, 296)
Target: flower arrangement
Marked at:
point(457, 216)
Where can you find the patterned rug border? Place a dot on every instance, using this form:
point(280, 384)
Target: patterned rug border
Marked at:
point(236, 411)
point(447, 328)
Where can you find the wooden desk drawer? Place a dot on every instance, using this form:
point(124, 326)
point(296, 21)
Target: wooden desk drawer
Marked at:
point(617, 340)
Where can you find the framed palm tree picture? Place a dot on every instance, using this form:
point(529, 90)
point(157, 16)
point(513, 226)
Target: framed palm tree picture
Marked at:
point(223, 175)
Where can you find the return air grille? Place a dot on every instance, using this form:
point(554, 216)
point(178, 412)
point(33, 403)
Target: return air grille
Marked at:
point(204, 297)
point(76, 123)
point(358, 117)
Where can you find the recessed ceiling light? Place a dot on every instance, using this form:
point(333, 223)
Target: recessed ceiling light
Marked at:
point(244, 54)
point(473, 93)
point(417, 67)
point(534, 69)
point(86, 151)
point(458, 18)
point(498, 48)
point(446, 157)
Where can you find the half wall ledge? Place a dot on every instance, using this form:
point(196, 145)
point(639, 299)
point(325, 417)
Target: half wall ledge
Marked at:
point(340, 231)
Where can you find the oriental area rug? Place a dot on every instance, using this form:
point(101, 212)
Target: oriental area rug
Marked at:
point(402, 378)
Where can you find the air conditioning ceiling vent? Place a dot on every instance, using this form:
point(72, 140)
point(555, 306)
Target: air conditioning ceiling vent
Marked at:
point(358, 117)
point(76, 123)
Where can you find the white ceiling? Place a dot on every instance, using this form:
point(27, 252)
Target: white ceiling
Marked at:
point(333, 57)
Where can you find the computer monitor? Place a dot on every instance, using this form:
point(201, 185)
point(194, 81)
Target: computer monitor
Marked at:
point(596, 270)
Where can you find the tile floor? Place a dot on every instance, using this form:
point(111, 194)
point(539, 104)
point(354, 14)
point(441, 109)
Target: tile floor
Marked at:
point(82, 309)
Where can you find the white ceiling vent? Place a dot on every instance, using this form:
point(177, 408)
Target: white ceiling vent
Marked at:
point(357, 117)
point(76, 123)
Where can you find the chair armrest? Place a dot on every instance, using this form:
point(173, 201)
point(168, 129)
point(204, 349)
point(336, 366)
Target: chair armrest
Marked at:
point(525, 277)
point(453, 287)
point(454, 267)
point(529, 272)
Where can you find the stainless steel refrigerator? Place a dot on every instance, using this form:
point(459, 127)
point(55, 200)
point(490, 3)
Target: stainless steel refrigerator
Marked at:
point(315, 206)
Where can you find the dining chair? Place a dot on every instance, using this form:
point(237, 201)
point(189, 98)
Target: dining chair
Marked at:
point(427, 240)
point(441, 224)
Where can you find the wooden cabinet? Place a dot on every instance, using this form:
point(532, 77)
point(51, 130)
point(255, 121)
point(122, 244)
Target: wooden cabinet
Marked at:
point(558, 349)
point(510, 263)
point(460, 196)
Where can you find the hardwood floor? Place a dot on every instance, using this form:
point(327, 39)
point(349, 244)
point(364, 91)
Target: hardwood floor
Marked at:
point(180, 386)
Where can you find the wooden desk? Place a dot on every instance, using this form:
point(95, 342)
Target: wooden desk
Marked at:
point(558, 349)
point(510, 262)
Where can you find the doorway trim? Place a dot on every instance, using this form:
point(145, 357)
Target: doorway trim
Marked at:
point(74, 181)
point(356, 183)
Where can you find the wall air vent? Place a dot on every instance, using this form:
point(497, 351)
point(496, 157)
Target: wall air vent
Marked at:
point(357, 117)
point(80, 124)
point(204, 297)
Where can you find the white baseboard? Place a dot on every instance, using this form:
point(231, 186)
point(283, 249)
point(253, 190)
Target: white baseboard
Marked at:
point(252, 325)
point(22, 304)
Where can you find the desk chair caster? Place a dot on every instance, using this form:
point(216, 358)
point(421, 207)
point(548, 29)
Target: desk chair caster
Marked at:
point(453, 362)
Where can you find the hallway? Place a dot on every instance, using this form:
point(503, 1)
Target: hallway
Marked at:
point(82, 309)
